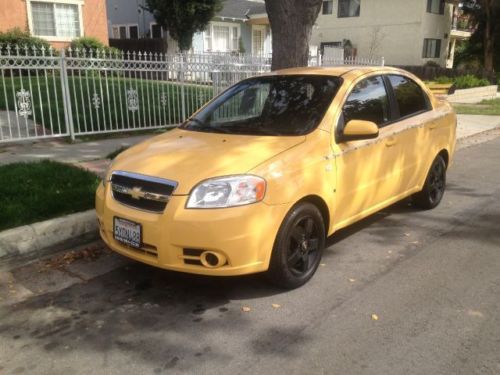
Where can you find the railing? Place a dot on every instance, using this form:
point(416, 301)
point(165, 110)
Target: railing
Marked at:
point(462, 23)
point(49, 93)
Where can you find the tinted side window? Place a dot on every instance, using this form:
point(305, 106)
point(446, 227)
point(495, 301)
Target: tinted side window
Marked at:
point(409, 96)
point(368, 101)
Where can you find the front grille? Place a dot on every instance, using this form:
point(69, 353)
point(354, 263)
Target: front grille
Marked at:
point(141, 192)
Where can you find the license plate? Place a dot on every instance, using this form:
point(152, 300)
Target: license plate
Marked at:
point(127, 232)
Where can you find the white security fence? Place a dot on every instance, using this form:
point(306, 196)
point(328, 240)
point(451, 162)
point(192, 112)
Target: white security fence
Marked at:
point(48, 93)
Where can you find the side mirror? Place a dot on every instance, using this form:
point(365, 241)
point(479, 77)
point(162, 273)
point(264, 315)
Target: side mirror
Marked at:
point(356, 130)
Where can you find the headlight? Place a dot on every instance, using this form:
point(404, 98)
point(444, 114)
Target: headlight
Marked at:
point(227, 192)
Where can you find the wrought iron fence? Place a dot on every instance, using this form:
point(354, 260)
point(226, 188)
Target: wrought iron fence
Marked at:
point(49, 93)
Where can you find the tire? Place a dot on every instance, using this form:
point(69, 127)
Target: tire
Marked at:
point(298, 247)
point(434, 186)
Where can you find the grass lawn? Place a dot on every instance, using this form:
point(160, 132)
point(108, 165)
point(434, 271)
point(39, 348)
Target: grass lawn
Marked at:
point(486, 107)
point(100, 103)
point(37, 191)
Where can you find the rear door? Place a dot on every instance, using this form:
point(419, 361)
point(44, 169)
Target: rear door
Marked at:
point(412, 126)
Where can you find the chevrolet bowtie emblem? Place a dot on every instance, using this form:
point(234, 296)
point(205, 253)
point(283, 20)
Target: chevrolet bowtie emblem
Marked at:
point(136, 193)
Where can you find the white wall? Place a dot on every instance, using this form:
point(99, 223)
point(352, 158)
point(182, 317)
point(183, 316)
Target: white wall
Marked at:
point(398, 27)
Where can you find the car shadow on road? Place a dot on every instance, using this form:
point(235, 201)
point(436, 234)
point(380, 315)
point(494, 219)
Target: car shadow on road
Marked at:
point(402, 207)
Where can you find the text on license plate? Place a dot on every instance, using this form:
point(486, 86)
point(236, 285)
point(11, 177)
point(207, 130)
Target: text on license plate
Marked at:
point(127, 231)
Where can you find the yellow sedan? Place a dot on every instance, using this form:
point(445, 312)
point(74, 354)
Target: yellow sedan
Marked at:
point(258, 178)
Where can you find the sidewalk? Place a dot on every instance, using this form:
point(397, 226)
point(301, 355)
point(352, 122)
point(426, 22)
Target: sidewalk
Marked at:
point(92, 155)
point(472, 124)
point(60, 150)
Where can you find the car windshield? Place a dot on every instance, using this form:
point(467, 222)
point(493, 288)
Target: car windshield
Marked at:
point(274, 105)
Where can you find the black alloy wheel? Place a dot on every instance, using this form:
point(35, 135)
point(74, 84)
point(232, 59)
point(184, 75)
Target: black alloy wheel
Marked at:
point(434, 186)
point(298, 247)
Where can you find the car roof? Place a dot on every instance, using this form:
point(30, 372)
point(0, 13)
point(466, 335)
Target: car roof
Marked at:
point(336, 70)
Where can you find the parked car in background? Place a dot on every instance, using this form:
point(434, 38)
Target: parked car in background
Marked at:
point(258, 178)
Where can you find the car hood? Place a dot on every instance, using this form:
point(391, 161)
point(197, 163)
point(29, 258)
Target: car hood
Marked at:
point(189, 157)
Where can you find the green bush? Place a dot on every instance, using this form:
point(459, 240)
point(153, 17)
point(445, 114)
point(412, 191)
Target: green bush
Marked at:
point(92, 44)
point(443, 80)
point(469, 81)
point(16, 37)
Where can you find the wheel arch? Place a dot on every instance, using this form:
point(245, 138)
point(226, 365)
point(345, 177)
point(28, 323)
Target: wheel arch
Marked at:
point(322, 207)
point(445, 155)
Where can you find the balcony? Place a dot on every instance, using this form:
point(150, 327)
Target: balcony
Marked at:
point(461, 27)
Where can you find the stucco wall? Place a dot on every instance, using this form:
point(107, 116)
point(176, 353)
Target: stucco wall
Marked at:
point(398, 27)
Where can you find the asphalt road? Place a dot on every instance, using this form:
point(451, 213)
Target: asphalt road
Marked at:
point(403, 292)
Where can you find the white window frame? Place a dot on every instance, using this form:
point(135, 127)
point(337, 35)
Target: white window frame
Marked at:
point(209, 30)
point(50, 38)
point(151, 24)
point(127, 29)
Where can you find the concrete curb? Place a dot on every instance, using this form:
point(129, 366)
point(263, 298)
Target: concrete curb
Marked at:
point(54, 234)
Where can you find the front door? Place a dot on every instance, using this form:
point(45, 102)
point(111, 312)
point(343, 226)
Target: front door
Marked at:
point(367, 170)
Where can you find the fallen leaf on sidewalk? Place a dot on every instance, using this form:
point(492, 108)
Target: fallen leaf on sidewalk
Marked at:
point(322, 264)
point(374, 317)
point(275, 306)
point(351, 280)
point(245, 309)
point(90, 253)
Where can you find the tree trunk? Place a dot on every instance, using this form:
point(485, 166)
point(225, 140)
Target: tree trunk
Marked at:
point(291, 25)
point(488, 36)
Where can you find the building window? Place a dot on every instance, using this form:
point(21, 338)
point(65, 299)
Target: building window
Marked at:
point(55, 19)
point(432, 48)
point(133, 32)
point(328, 7)
point(349, 8)
point(208, 38)
point(156, 31)
point(125, 31)
point(435, 6)
point(221, 38)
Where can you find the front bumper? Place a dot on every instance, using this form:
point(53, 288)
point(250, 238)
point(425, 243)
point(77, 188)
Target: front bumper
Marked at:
point(244, 235)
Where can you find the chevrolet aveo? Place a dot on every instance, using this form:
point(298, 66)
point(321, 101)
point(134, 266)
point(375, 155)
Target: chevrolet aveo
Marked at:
point(259, 177)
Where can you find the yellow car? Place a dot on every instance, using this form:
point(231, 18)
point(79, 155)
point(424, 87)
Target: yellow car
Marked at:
point(259, 177)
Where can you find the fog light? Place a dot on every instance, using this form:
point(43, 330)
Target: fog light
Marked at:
point(211, 259)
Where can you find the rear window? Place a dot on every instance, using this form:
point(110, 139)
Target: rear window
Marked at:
point(275, 105)
point(410, 97)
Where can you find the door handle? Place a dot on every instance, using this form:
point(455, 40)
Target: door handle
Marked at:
point(390, 142)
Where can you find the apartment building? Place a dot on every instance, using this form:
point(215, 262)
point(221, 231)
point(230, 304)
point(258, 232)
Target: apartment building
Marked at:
point(404, 32)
